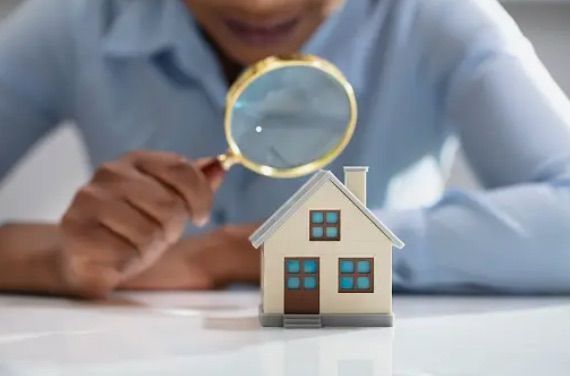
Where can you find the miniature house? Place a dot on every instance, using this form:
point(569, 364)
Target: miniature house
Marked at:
point(326, 258)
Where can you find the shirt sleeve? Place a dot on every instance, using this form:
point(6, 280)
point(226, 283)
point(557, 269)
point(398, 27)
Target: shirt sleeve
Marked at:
point(514, 124)
point(35, 70)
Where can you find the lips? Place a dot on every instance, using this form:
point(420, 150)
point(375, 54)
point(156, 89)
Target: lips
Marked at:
point(262, 34)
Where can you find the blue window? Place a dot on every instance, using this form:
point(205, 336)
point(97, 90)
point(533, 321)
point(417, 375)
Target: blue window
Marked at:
point(301, 273)
point(363, 266)
point(356, 275)
point(363, 283)
point(310, 283)
point(346, 266)
point(317, 217)
point(346, 283)
point(324, 225)
point(293, 283)
point(332, 232)
point(332, 217)
point(317, 232)
point(293, 266)
point(310, 266)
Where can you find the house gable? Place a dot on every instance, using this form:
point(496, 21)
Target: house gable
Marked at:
point(355, 228)
point(336, 192)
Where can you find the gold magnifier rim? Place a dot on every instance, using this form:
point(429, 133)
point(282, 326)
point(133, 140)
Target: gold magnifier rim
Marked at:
point(274, 63)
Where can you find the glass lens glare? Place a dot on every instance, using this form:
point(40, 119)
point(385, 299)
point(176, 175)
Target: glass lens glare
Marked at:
point(290, 117)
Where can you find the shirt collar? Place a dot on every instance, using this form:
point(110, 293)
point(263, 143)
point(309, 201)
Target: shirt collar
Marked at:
point(148, 27)
point(140, 28)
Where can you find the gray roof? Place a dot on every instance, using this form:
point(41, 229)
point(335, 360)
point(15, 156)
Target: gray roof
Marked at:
point(269, 227)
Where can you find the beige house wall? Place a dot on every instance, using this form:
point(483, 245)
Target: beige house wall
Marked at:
point(355, 181)
point(359, 238)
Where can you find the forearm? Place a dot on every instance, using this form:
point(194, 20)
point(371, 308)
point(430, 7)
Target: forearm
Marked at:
point(514, 126)
point(211, 260)
point(29, 259)
point(509, 240)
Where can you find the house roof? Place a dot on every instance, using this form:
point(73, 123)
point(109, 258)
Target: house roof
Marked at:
point(272, 224)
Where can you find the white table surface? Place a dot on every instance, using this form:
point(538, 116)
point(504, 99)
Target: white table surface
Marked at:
point(217, 333)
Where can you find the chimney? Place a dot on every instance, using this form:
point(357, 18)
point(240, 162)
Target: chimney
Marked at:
point(355, 181)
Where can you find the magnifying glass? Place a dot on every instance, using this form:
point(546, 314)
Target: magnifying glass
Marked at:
point(288, 116)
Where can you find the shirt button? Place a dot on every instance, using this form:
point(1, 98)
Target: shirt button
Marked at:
point(220, 216)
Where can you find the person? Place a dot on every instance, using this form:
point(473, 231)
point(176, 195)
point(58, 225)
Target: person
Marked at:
point(145, 82)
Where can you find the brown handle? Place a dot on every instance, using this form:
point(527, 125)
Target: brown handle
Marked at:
point(227, 160)
point(214, 171)
point(216, 168)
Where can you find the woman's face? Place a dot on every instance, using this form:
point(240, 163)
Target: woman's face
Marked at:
point(250, 30)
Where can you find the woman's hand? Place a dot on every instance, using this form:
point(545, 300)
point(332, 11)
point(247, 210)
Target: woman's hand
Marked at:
point(128, 215)
point(211, 260)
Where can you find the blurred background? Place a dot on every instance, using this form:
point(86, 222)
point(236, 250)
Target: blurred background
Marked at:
point(36, 190)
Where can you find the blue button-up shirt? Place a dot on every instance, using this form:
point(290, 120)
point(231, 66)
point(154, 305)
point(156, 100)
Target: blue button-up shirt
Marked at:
point(139, 75)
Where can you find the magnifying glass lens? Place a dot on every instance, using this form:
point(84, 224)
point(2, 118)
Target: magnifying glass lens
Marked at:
point(290, 117)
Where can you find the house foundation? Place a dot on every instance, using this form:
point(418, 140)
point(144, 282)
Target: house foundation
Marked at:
point(326, 319)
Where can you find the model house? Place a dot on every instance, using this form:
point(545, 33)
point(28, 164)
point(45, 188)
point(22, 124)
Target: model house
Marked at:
point(326, 258)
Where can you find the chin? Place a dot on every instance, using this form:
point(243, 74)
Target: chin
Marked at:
point(247, 51)
point(249, 56)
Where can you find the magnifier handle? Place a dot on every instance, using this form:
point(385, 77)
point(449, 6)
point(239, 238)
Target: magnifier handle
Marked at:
point(227, 160)
point(216, 168)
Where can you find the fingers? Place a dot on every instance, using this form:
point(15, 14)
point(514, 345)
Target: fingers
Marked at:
point(128, 215)
point(88, 238)
point(128, 223)
point(118, 217)
point(147, 195)
point(183, 177)
point(94, 260)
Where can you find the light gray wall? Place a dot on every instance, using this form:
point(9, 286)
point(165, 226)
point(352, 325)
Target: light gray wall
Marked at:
point(548, 27)
point(7, 5)
point(44, 182)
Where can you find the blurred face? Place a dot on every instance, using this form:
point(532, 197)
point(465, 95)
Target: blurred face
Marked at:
point(249, 30)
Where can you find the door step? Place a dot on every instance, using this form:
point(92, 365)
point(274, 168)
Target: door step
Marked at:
point(297, 321)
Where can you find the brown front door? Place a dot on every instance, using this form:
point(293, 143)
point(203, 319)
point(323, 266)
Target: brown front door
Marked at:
point(301, 285)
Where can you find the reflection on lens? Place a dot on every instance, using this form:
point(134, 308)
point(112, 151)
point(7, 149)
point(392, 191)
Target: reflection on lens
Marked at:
point(290, 117)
